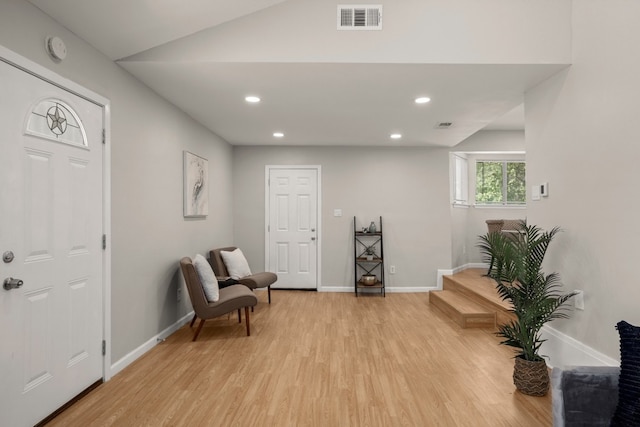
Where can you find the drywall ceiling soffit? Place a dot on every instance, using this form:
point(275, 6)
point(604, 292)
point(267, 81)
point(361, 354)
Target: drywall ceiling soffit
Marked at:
point(512, 120)
point(437, 32)
point(326, 87)
point(121, 28)
point(341, 104)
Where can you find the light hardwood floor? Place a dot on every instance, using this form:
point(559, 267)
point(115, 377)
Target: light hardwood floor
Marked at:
point(319, 359)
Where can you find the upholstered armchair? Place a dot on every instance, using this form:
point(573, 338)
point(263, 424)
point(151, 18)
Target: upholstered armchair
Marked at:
point(256, 280)
point(231, 298)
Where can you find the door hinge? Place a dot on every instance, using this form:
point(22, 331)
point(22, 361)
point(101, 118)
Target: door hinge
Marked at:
point(104, 347)
point(104, 136)
point(104, 241)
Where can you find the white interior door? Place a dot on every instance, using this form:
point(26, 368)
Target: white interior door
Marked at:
point(51, 211)
point(293, 227)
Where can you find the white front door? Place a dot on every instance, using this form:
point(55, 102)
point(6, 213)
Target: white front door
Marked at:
point(51, 223)
point(293, 227)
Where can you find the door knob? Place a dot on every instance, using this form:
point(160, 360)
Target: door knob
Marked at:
point(313, 238)
point(11, 283)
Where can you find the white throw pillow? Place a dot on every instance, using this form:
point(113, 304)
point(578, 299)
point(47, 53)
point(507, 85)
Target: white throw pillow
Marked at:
point(236, 264)
point(207, 278)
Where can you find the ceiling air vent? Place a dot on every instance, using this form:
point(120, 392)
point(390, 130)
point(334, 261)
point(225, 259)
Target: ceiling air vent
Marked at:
point(443, 125)
point(359, 16)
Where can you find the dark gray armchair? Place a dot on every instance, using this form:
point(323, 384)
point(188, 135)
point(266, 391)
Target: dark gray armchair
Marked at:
point(232, 298)
point(584, 395)
point(256, 280)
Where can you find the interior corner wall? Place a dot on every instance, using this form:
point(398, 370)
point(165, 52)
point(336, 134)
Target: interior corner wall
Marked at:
point(459, 220)
point(470, 223)
point(408, 187)
point(582, 138)
point(148, 136)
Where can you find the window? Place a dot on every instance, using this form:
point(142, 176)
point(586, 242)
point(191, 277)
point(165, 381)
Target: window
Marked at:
point(500, 183)
point(460, 181)
point(53, 119)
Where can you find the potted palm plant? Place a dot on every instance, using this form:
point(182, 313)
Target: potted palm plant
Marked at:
point(516, 266)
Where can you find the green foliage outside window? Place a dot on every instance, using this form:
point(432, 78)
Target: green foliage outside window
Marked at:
point(516, 190)
point(500, 183)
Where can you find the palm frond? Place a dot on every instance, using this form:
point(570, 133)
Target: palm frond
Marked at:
point(516, 267)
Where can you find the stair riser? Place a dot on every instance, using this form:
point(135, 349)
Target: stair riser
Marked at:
point(502, 316)
point(478, 320)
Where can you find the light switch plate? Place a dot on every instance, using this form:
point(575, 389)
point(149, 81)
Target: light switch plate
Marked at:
point(337, 212)
point(535, 192)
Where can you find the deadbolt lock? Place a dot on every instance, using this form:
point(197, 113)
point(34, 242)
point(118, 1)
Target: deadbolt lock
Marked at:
point(11, 283)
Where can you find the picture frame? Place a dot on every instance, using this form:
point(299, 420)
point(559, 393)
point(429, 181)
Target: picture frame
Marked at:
point(196, 186)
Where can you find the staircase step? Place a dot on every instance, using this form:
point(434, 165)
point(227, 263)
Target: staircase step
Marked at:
point(462, 310)
point(480, 289)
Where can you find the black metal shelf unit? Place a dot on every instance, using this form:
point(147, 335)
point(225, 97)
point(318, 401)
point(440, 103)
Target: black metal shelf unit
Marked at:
point(368, 255)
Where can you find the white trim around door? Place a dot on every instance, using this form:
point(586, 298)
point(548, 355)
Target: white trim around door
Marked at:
point(49, 76)
point(318, 170)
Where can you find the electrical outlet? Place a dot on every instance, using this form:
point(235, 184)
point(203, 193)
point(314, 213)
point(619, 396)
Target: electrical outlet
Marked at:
point(578, 300)
point(179, 294)
point(392, 269)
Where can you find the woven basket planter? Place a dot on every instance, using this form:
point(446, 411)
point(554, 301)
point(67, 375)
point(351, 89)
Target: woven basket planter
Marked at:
point(531, 378)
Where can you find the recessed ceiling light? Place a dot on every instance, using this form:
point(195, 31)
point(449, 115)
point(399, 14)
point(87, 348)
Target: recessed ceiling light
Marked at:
point(422, 100)
point(252, 99)
point(278, 134)
point(396, 136)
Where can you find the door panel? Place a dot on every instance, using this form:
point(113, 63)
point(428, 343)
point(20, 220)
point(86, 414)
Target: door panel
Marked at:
point(293, 217)
point(52, 220)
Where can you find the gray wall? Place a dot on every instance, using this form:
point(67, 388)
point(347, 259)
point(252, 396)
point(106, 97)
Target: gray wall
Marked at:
point(469, 223)
point(408, 187)
point(582, 137)
point(149, 234)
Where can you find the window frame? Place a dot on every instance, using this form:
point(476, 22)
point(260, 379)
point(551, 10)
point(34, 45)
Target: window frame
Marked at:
point(460, 180)
point(505, 180)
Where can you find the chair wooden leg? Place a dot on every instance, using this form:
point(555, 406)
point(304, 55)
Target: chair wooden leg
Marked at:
point(239, 317)
point(246, 318)
point(200, 325)
point(269, 293)
point(195, 316)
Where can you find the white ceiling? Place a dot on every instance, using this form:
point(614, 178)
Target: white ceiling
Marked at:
point(120, 28)
point(313, 103)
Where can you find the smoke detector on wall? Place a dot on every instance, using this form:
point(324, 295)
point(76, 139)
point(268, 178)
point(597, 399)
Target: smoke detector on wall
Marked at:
point(360, 17)
point(56, 48)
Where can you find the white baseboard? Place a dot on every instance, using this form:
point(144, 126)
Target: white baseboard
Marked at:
point(559, 349)
point(448, 272)
point(475, 265)
point(410, 289)
point(335, 289)
point(562, 350)
point(152, 342)
point(439, 274)
point(388, 289)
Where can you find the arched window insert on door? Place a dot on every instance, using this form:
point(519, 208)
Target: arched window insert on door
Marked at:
point(55, 120)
